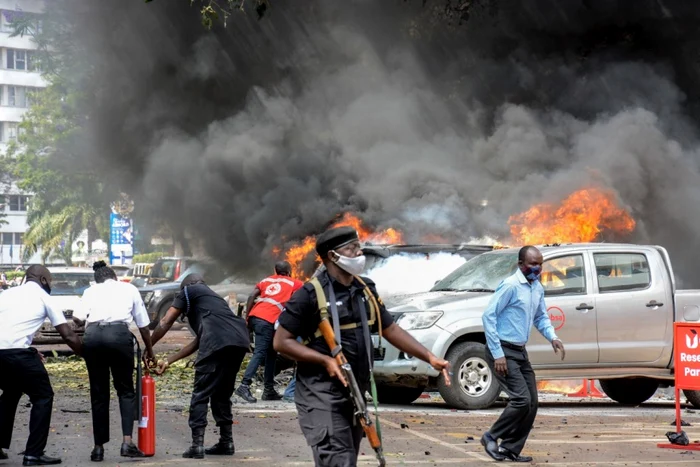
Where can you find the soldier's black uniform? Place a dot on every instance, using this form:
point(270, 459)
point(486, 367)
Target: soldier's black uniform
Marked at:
point(324, 407)
point(223, 342)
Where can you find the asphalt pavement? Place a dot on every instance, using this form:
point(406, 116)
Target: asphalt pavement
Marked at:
point(568, 431)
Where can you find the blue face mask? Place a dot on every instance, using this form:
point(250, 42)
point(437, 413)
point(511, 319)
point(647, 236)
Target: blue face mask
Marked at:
point(532, 274)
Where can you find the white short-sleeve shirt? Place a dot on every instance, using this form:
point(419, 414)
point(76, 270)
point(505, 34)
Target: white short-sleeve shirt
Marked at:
point(23, 310)
point(111, 302)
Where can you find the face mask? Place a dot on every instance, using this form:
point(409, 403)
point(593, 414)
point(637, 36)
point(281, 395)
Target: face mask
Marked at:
point(353, 266)
point(46, 287)
point(532, 274)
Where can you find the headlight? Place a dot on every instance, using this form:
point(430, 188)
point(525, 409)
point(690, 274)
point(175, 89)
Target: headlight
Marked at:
point(419, 319)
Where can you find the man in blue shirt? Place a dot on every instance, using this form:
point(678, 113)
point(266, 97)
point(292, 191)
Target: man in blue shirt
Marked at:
point(515, 307)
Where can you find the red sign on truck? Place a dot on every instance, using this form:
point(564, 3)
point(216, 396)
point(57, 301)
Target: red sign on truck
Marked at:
point(687, 355)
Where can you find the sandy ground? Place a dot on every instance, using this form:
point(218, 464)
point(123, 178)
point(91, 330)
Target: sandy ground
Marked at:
point(568, 432)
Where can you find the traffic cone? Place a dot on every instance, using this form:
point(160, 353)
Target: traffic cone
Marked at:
point(586, 392)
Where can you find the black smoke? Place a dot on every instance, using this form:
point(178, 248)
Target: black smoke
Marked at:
point(403, 111)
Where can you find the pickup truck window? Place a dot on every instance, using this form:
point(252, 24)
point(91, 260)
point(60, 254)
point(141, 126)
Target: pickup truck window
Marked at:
point(482, 273)
point(564, 275)
point(621, 271)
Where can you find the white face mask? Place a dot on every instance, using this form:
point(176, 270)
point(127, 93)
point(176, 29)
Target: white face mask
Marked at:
point(353, 266)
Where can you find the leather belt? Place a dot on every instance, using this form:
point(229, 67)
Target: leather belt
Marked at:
point(508, 345)
point(102, 323)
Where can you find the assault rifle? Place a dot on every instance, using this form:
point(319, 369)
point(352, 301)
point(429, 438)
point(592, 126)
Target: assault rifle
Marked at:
point(358, 400)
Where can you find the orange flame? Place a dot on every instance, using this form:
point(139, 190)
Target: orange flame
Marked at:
point(558, 387)
point(582, 217)
point(299, 254)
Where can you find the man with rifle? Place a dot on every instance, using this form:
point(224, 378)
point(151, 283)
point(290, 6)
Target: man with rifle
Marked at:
point(332, 379)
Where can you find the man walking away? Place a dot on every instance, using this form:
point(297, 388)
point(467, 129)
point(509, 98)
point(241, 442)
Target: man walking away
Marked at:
point(265, 305)
point(108, 307)
point(23, 310)
point(517, 304)
point(222, 340)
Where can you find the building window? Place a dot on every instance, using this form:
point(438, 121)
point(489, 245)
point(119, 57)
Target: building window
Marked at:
point(20, 60)
point(17, 96)
point(6, 21)
point(18, 202)
point(10, 131)
point(19, 238)
point(7, 238)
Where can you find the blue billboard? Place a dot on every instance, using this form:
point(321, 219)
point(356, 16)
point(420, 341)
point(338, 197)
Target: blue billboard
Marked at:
point(121, 239)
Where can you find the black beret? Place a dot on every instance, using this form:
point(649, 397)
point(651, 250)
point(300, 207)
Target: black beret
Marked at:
point(335, 238)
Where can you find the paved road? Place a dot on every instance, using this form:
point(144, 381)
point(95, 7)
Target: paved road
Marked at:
point(594, 433)
point(568, 432)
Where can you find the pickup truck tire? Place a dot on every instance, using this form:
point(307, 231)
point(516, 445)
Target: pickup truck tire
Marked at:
point(629, 391)
point(473, 384)
point(398, 394)
point(693, 397)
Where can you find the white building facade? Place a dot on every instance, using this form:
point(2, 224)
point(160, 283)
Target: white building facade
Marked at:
point(18, 77)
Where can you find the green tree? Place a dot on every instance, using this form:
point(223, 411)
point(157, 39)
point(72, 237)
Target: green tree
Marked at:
point(67, 197)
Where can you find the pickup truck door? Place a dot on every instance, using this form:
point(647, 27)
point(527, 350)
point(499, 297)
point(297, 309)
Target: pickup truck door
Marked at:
point(634, 304)
point(567, 279)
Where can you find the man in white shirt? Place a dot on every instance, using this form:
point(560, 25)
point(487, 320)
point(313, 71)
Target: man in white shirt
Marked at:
point(23, 310)
point(109, 307)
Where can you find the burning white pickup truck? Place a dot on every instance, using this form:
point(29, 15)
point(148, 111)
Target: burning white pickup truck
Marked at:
point(613, 306)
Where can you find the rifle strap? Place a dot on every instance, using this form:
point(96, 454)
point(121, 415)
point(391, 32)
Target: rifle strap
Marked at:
point(375, 402)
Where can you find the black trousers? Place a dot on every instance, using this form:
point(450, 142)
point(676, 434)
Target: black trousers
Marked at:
point(23, 373)
point(514, 425)
point(334, 436)
point(215, 380)
point(110, 348)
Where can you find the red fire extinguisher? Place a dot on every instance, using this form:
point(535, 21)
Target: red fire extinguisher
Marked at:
point(147, 409)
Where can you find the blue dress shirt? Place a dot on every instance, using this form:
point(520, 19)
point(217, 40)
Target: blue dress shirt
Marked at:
point(515, 306)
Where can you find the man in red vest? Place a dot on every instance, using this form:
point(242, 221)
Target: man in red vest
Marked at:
point(265, 305)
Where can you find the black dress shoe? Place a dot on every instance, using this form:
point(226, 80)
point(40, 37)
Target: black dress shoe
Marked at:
point(491, 447)
point(3, 456)
point(130, 450)
point(511, 456)
point(40, 460)
point(97, 454)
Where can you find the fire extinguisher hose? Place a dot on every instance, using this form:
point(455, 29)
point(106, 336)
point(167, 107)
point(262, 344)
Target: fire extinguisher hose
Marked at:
point(139, 374)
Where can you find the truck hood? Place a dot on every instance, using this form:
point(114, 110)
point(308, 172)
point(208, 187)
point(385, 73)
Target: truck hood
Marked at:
point(161, 286)
point(444, 301)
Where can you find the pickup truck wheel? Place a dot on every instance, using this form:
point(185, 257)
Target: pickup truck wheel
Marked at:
point(693, 397)
point(473, 384)
point(629, 391)
point(397, 394)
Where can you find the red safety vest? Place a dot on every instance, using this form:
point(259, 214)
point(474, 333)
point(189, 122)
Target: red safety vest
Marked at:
point(274, 293)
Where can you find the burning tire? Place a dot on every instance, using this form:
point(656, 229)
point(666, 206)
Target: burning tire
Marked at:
point(693, 397)
point(397, 394)
point(473, 385)
point(629, 391)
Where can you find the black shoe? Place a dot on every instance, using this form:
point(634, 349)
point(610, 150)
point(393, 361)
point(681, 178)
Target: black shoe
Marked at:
point(40, 460)
point(271, 396)
point(130, 450)
point(244, 393)
point(196, 451)
point(225, 445)
point(98, 454)
point(491, 447)
point(3, 456)
point(510, 455)
point(221, 449)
